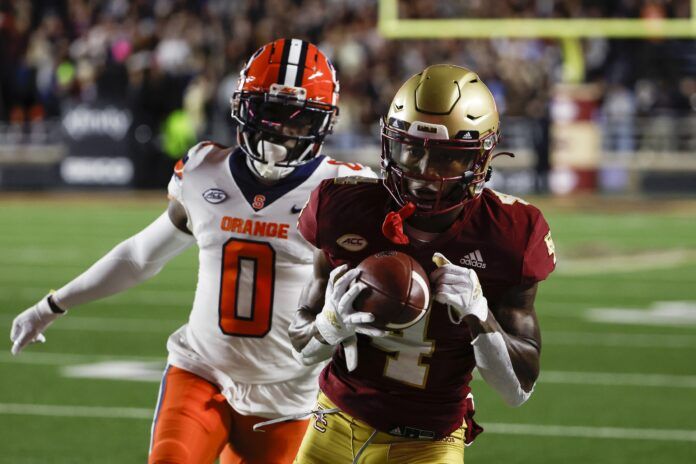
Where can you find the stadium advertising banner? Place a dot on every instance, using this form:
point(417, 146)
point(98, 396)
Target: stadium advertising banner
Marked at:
point(97, 136)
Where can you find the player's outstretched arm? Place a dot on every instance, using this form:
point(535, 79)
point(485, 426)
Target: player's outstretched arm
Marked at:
point(326, 316)
point(308, 346)
point(506, 336)
point(302, 328)
point(136, 259)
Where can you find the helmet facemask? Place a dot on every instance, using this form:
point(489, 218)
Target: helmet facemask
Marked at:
point(280, 129)
point(436, 174)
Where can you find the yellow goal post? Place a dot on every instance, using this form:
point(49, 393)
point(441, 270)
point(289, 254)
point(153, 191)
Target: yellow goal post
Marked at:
point(393, 27)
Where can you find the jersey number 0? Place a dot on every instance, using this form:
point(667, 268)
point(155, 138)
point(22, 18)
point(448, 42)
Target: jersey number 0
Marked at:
point(246, 288)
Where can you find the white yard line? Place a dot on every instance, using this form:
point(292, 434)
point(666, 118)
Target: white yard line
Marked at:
point(613, 433)
point(496, 428)
point(148, 292)
point(40, 255)
point(108, 324)
point(663, 259)
point(618, 379)
point(633, 340)
point(75, 411)
point(64, 359)
point(144, 297)
point(547, 377)
point(549, 337)
point(660, 313)
point(612, 379)
point(130, 370)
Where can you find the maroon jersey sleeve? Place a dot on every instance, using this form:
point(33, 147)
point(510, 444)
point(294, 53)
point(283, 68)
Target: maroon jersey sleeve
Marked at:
point(539, 256)
point(308, 222)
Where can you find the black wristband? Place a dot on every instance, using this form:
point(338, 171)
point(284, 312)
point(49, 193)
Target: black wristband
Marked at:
point(54, 307)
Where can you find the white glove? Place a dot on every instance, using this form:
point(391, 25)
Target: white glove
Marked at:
point(338, 321)
point(29, 325)
point(459, 288)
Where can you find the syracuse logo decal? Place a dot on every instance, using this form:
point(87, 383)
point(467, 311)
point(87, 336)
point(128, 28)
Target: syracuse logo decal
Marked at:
point(351, 242)
point(259, 201)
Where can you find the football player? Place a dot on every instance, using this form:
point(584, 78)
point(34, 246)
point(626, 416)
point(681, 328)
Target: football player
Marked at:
point(406, 397)
point(232, 364)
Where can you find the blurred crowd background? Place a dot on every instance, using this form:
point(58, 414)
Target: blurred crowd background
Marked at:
point(173, 64)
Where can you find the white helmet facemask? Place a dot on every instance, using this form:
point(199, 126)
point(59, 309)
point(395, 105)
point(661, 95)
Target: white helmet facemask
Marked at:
point(273, 153)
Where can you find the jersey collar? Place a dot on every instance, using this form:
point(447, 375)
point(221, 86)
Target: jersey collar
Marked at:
point(250, 186)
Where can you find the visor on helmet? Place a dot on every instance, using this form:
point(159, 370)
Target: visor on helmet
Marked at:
point(436, 174)
point(283, 119)
point(428, 158)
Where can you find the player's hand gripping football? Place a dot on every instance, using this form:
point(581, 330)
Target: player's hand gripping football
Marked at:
point(459, 288)
point(338, 320)
point(29, 326)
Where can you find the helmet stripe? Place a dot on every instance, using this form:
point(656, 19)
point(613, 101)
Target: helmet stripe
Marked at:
point(290, 74)
point(284, 61)
point(293, 62)
point(301, 64)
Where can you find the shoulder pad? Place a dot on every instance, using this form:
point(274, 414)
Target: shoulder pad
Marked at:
point(196, 154)
point(353, 180)
point(508, 199)
point(201, 149)
point(351, 166)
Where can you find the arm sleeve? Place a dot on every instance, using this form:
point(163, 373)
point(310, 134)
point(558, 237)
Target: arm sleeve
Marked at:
point(540, 254)
point(495, 366)
point(129, 263)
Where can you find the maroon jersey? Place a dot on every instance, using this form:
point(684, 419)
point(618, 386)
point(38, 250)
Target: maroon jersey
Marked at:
point(419, 379)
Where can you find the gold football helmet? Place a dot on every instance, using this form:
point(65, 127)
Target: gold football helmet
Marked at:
point(438, 139)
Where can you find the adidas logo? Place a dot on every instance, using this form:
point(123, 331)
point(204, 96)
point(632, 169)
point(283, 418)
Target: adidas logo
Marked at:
point(473, 259)
point(467, 136)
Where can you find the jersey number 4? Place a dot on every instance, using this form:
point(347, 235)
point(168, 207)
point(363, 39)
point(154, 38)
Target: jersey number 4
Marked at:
point(406, 353)
point(246, 288)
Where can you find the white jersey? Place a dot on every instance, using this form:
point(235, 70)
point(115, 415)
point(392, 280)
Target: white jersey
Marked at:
point(253, 264)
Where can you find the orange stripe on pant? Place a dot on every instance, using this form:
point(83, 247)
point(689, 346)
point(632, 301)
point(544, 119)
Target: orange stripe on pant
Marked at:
point(194, 424)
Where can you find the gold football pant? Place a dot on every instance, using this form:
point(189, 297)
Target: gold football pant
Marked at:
point(336, 438)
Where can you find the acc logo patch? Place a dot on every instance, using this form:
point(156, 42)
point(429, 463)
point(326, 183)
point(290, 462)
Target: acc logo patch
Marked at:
point(214, 196)
point(352, 242)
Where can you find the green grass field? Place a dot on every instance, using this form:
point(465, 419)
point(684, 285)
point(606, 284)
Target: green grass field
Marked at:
point(618, 319)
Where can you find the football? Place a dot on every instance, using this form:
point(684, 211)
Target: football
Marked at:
point(397, 293)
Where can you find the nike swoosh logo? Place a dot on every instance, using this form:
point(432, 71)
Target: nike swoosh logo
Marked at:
point(295, 209)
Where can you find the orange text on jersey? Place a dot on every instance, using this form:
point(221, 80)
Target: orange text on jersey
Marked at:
point(251, 227)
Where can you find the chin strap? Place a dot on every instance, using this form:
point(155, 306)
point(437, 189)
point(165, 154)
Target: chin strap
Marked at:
point(393, 225)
